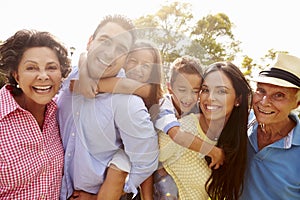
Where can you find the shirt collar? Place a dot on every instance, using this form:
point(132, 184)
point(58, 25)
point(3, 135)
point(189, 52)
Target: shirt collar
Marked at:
point(296, 131)
point(8, 103)
point(293, 138)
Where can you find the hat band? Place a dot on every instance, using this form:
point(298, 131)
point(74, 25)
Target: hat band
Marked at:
point(281, 74)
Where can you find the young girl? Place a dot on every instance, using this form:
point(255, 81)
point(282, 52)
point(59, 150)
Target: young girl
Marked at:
point(224, 107)
point(143, 72)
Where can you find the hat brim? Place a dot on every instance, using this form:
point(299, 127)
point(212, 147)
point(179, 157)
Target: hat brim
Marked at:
point(274, 81)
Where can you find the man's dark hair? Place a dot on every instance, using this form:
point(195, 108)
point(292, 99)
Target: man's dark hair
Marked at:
point(121, 20)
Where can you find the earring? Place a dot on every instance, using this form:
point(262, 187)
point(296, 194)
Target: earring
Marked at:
point(237, 105)
point(18, 86)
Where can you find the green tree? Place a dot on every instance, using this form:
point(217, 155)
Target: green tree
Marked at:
point(172, 29)
point(247, 65)
point(2, 80)
point(2, 76)
point(213, 33)
point(269, 58)
point(168, 28)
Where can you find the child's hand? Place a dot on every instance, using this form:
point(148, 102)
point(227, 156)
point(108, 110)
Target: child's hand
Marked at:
point(217, 157)
point(89, 92)
point(85, 85)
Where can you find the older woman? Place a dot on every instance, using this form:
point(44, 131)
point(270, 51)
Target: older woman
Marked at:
point(31, 152)
point(274, 134)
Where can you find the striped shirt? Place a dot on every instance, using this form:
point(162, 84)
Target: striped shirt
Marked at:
point(31, 159)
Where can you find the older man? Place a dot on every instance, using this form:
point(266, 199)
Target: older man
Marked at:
point(274, 134)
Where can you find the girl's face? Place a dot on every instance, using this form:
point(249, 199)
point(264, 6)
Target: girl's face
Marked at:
point(273, 104)
point(185, 90)
point(139, 65)
point(39, 75)
point(217, 96)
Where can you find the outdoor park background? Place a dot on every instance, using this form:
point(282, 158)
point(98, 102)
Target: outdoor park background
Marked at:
point(249, 32)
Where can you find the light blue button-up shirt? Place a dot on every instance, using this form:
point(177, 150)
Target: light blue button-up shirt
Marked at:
point(92, 132)
point(273, 172)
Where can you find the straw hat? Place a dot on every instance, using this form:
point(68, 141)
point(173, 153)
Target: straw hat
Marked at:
point(285, 72)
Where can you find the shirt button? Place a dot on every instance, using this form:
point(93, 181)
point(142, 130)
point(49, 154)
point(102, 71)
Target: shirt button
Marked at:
point(73, 134)
point(77, 113)
point(69, 154)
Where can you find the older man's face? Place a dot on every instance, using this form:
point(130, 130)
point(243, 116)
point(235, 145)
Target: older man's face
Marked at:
point(272, 104)
point(108, 50)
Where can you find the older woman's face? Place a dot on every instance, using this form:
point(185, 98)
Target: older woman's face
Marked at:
point(273, 104)
point(39, 75)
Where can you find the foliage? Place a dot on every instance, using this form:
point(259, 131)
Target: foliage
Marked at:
point(247, 65)
point(269, 58)
point(172, 28)
point(2, 80)
point(167, 27)
point(214, 34)
point(2, 76)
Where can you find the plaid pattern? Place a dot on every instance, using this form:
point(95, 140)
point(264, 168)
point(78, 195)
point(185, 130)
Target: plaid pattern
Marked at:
point(31, 160)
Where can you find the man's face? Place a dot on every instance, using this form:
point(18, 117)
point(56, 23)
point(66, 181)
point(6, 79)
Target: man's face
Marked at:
point(108, 50)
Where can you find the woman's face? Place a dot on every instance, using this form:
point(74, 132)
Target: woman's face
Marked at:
point(139, 65)
point(39, 75)
point(273, 104)
point(217, 96)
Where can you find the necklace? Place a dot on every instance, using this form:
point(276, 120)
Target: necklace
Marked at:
point(211, 131)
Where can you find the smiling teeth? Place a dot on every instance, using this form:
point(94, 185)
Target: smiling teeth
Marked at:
point(211, 107)
point(265, 112)
point(42, 87)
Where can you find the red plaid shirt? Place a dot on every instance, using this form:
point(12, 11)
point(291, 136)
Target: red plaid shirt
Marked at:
point(31, 160)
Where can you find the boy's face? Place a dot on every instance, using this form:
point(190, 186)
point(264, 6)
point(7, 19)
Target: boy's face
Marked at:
point(108, 50)
point(185, 91)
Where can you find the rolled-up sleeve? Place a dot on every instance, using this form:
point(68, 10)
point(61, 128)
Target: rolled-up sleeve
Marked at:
point(167, 116)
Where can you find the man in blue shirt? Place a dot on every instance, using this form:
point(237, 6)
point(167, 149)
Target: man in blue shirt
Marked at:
point(95, 130)
point(274, 134)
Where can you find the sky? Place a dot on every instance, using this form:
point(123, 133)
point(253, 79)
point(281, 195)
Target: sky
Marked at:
point(259, 24)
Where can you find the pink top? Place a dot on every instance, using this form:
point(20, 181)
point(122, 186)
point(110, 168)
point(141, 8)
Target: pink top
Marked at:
point(31, 160)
